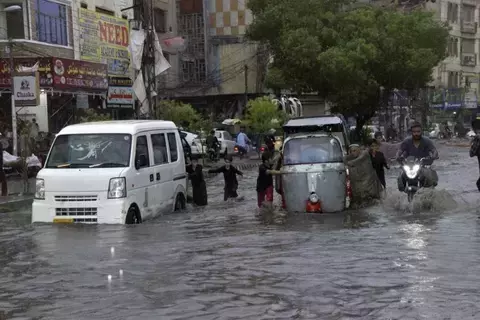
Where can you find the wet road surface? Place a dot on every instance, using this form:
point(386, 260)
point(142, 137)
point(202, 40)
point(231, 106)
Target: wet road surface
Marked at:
point(222, 263)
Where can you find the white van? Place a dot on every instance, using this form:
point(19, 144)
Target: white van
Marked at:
point(112, 172)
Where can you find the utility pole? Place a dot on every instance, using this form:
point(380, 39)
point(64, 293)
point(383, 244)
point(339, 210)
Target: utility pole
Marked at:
point(246, 85)
point(9, 50)
point(148, 59)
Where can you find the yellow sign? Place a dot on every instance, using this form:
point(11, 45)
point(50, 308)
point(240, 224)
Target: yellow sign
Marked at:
point(105, 39)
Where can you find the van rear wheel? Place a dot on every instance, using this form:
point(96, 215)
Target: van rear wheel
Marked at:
point(180, 202)
point(133, 216)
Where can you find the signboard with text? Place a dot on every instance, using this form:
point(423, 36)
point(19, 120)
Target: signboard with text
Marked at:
point(120, 95)
point(44, 70)
point(76, 74)
point(105, 39)
point(26, 89)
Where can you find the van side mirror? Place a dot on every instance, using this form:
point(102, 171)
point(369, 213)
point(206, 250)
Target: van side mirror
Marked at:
point(141, 161)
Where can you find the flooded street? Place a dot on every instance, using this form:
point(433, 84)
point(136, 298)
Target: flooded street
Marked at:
point(220, 262)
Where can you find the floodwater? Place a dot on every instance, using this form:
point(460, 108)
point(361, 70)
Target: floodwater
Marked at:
point(397, 262)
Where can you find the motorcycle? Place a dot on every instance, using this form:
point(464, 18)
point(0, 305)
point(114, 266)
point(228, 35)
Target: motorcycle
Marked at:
point(240, 151)
point(413, 173)
point(213, 153)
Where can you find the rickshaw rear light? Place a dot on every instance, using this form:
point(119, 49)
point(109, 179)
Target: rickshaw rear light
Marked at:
point(262, 149)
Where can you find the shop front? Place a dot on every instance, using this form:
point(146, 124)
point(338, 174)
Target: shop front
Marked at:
point(62, 83)
point(120, 98)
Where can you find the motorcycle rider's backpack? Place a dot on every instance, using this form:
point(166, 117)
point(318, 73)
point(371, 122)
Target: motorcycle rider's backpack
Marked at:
point(475, 147)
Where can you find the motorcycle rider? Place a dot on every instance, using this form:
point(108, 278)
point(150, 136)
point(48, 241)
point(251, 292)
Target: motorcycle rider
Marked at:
point(418, 147)
point(212, 142)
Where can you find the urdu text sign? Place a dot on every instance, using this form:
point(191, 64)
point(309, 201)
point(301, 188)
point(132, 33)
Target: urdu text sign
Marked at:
point(105, 39)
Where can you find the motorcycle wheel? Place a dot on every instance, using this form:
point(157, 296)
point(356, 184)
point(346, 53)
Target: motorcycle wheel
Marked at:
point(410, 196)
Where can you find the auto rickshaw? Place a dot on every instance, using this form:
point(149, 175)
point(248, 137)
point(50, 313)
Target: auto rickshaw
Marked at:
point(315, 177)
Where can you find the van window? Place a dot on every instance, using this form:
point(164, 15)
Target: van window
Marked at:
point(142, 148)
point(312, 150)
point(172, 144)
point(227, 136)
point(159, 147)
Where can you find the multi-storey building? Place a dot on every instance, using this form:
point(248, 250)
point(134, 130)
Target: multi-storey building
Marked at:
point(219, 68)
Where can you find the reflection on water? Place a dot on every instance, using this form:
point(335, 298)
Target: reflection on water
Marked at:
point(221, 262)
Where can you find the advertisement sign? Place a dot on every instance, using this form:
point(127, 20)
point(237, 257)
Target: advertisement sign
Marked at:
point(26, 89)
point(120, 82)
point(76, 74)
point(44, 70)
point(120, 95)
point(105, 39)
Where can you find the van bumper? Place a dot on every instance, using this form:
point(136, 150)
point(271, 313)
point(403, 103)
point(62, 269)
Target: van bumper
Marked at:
point(111, 211)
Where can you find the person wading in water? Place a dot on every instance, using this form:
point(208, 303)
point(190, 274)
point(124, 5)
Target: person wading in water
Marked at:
point(230, 177)
point(199, 187)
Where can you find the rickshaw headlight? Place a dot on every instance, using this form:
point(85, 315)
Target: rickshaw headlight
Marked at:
point(313, 198)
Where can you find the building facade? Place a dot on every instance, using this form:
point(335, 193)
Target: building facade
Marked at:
point(219, 68)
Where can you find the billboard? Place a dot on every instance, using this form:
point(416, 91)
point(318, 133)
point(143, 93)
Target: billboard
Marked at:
point(105, 39)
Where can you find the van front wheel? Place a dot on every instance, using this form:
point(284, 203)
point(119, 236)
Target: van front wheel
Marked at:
point(133, 216)
point(180, 202)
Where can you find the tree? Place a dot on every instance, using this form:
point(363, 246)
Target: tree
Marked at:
point(91, 115)
point(353, 56)
point(183, 115)
point(262, 115)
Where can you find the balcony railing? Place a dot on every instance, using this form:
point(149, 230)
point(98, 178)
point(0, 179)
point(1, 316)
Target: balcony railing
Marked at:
point(469, 26)
point(52, 29)
point(469, 59)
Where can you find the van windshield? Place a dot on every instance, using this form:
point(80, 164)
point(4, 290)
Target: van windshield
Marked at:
point(312, 150)
point(90, 151)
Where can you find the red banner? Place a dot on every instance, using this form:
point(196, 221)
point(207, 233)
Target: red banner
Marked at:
point(76, 74)
point(44, 70)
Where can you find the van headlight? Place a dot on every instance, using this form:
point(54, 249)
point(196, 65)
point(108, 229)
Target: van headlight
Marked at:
point(117, 188)
point(40, 189)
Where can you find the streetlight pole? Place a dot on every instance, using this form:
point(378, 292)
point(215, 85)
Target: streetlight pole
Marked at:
point(9, 50)
point(14, 109)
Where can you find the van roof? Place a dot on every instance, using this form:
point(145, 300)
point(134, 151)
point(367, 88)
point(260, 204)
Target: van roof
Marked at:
point(313, 121)
point(123, 126)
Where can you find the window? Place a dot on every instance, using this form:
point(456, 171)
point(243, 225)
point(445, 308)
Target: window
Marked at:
point(142, 149)
point(159, 20)
point(312, 150)
point(52, 22)
point(159, 146)
point(468, 13)
point(84, 5)
point(15, 25)
point(90, 151)
point(468, 46)
point(172, 144)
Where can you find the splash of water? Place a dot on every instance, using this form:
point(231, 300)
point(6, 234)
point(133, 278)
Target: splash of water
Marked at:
point(426, 200)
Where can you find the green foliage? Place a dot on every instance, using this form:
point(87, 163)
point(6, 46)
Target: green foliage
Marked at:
point(275, 80)
point(182, 114)
point(261, 112)
point(348, 53)
point(91, 115)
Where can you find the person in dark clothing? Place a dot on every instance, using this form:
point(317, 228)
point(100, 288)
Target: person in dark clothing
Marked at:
point(270, 142)
point(379, 162)
point(230, 177)
point(212, 141)
point(265, 179)
point(418, 147)
point(199, 187)
point(3, 177)
point(475, 146)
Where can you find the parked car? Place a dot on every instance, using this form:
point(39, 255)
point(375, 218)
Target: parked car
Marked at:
point(226, 140)
point(197, 145)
